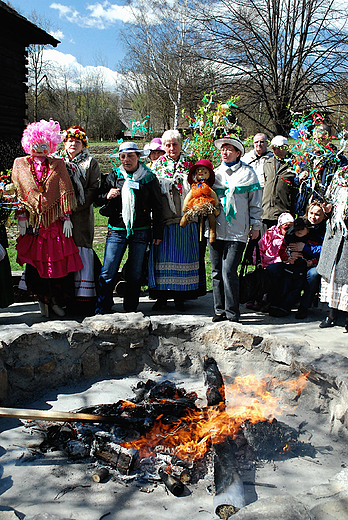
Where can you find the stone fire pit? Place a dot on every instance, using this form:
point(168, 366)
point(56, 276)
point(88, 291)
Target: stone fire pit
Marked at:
point(100, 359)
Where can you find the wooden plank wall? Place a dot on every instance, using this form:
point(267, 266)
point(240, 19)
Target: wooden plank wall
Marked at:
point(13, 77)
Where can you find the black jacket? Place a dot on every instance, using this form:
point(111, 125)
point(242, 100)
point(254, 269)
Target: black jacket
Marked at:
point(148, 203)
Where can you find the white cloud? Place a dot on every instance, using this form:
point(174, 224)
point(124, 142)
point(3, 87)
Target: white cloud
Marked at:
point(58, 34)
point(75, 70)
point(110, 13)
point(65, 11)
point(101, 15)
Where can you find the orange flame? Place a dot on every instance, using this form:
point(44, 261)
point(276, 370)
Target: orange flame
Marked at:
point(127, 404)
point(192, 435)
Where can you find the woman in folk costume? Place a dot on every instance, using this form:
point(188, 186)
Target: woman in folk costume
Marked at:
point(47, 199)
point(333, 261)
point(85, 175)
point(176, 265)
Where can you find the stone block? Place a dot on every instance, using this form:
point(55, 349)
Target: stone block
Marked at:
point(25, 371)
point(275, 508)
point(80, 336)
point(109, 325)
point(9, 515)
point(46, 368)
point(90, 364)
point(124, 366)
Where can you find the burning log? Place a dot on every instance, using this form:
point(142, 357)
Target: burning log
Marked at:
point(174, 485)
point(117, 456)
point(213, 381)
point(229, 492)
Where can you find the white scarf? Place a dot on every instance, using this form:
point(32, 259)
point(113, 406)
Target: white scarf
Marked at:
point(235, 179)
point(128, 195)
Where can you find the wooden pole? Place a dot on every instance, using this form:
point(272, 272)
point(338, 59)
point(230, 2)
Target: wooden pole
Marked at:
point(53, 415)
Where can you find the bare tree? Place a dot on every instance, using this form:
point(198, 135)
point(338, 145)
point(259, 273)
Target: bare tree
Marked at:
point(40, 77)
point(277, 54)
point(161, 48)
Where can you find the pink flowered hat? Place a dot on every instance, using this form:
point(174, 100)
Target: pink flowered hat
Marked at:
point(156, 144)
point(285, 218)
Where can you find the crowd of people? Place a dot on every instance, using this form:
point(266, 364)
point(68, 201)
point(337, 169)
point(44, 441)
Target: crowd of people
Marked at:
point(165, 208)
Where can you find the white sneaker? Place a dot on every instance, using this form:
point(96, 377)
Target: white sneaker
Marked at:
point(58, 310)
point(44, 309)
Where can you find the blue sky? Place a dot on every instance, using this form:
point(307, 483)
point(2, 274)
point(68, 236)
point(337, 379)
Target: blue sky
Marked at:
point(88, 30)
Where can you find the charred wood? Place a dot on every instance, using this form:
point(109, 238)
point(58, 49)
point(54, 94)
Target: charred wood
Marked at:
point(213, 381)
point(121, 458)
point(100, 475)
point(174, 485)
point(268, 439)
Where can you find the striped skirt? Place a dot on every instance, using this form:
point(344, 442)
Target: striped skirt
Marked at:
point(174, 263)
point(334, 294)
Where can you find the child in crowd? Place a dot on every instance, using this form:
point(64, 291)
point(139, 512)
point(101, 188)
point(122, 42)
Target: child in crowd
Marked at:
point(269, 246)
point(287, 277)
point(273, 239)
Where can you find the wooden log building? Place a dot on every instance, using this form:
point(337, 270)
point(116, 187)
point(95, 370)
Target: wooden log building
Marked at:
point(16, 34)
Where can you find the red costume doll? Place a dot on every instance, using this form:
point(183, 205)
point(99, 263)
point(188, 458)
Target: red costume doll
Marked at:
point(47, 199)
point(201, 199)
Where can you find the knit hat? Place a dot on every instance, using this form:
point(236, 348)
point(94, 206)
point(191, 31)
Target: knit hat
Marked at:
point(285, 218)
point(207, 164)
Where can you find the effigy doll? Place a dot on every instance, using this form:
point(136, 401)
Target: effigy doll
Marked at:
point(201, 199)
point(47, 199)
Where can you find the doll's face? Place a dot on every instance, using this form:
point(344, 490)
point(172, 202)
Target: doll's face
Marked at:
point(202, 173)
point(40, 149)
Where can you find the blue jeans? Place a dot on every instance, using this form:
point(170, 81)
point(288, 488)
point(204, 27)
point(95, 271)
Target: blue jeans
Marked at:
point(225, 257)
point(311, 286)
point(115, 247)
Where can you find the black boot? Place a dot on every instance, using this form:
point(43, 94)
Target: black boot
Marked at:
point(330, 320)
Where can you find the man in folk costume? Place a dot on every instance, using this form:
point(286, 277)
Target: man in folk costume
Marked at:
point(47, 199)
point(237, 186)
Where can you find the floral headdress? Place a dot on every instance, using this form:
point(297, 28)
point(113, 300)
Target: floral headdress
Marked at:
point(47, 132)
point(77, 132)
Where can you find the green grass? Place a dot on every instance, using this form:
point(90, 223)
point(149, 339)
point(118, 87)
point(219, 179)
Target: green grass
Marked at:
point(12, 254)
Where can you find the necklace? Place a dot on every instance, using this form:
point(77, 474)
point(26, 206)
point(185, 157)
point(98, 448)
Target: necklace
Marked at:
point(42, 181)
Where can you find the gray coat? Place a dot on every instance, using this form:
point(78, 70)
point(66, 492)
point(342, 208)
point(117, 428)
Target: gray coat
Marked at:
point(335, 249)
point(83, 217)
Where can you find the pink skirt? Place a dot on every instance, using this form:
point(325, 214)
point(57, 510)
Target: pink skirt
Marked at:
point(50, 252)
